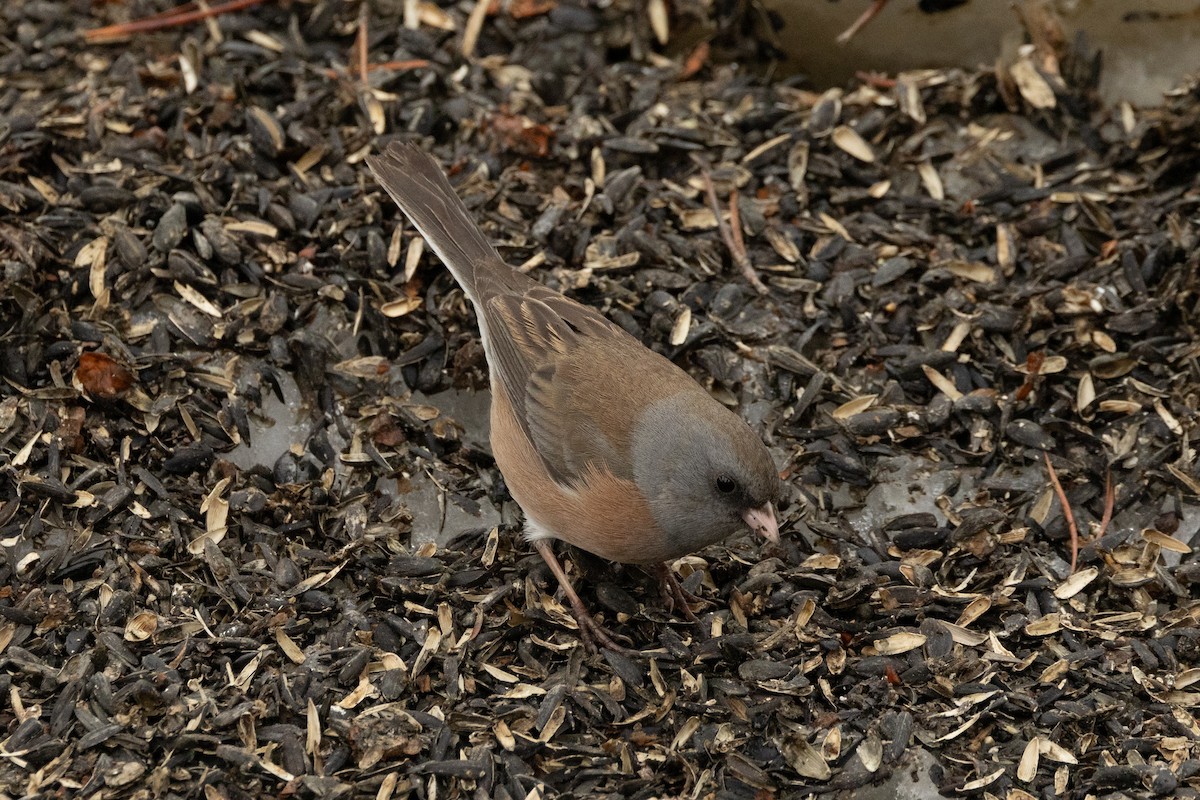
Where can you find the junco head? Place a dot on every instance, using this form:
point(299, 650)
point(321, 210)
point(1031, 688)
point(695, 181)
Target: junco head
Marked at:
point(704, 473)
point(603, 443)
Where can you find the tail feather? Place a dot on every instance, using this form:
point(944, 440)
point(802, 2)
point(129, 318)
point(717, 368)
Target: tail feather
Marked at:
point(419, 187)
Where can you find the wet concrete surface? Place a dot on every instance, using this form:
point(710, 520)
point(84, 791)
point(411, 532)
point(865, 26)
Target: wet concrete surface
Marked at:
point(1148, 46)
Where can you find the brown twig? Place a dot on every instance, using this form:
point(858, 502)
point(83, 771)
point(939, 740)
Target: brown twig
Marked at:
point(183, 15)
point(360, 43)
point(473, 27)
point(400, 66)
point(1062, 499)
point(733, 238)
point(862, 21)
point(878, 80)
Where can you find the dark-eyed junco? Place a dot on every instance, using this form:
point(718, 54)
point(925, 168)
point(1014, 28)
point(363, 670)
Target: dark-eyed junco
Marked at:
point(603, 443)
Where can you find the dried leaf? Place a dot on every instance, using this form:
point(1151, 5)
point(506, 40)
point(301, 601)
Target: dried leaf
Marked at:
point(102, 377)
point(519, 134)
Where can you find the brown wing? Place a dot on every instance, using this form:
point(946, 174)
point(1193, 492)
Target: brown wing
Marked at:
point(560, 363)
point(567, 371)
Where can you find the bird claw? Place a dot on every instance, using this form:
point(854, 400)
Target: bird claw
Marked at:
point(591, 632)
point(674, 595)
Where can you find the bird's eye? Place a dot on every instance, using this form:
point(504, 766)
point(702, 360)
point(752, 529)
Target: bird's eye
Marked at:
point(725, 484)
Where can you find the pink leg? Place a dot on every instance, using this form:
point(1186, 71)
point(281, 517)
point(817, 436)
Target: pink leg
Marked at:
point(673, 594)
point(860, 23)
point(589, 629)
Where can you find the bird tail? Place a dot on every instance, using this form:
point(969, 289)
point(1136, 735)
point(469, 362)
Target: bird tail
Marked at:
point(419, 187)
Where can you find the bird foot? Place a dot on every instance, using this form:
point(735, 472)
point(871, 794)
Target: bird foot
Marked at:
point(673, 593)
point(590, 631)
point(593, 633)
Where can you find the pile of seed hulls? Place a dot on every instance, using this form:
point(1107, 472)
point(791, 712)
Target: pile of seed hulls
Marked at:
point(979, 285)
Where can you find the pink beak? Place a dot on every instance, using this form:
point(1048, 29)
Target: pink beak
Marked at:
point(762, 521)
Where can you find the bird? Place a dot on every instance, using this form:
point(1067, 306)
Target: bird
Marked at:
point(602, 442)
